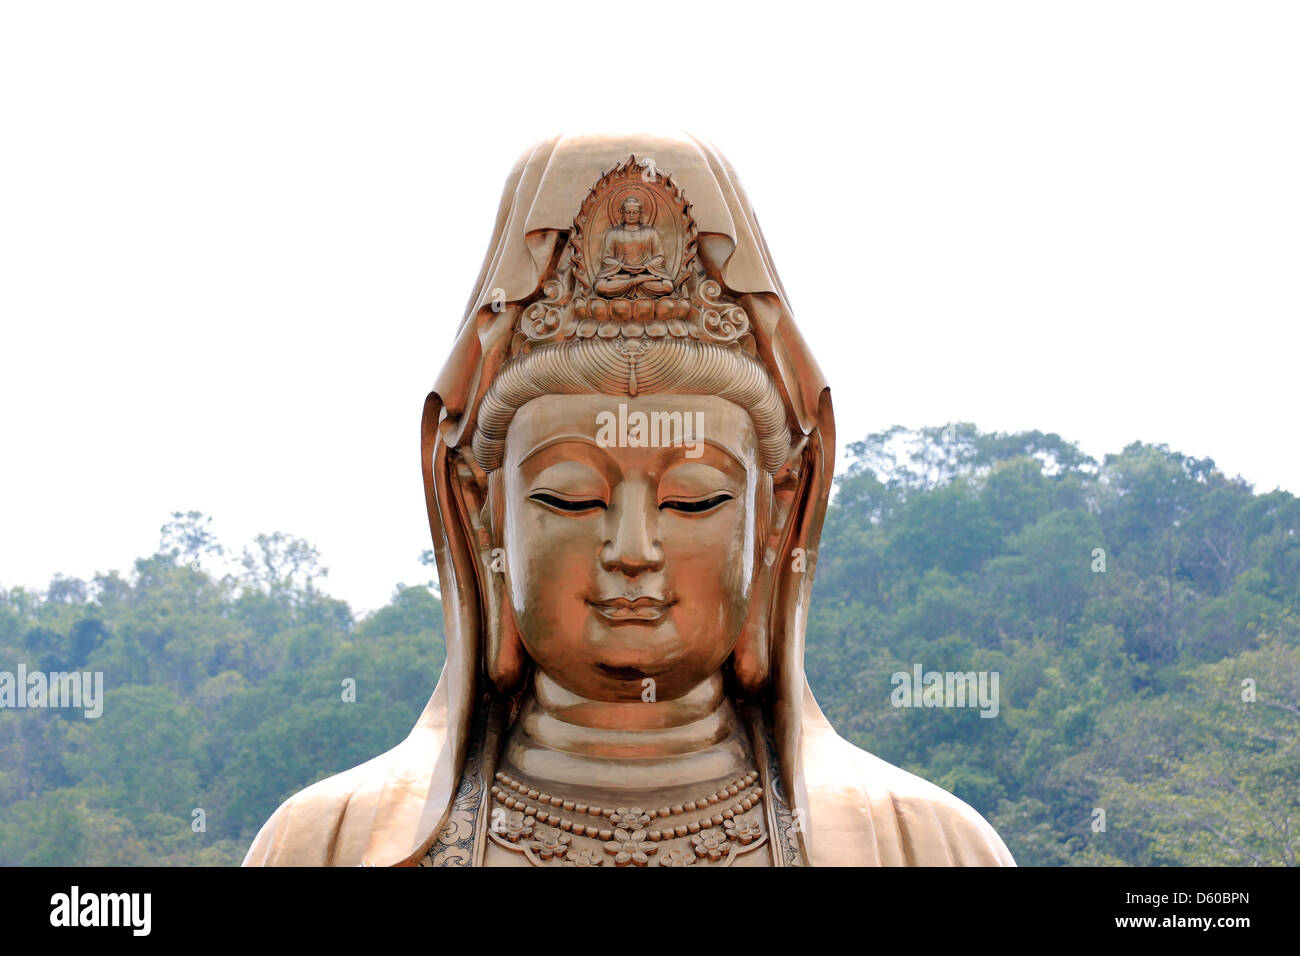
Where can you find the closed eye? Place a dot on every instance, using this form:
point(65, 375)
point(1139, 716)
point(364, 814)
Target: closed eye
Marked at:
point(696, 507)
point(566, 504)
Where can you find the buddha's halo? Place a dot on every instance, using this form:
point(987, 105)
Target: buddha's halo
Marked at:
point(596, 366)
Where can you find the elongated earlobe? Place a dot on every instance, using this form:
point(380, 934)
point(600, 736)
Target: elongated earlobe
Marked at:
point(481, 503)
point(752, 659)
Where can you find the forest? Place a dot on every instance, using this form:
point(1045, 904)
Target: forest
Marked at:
point(1139, 612)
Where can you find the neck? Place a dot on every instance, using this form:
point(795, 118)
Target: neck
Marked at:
point(568, 743)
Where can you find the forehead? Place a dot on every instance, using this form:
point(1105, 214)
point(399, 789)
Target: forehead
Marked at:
point(553, 418)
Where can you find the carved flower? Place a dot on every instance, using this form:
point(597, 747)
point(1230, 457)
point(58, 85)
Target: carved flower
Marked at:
point(745, 830)
point(551, 844)
point(518, 826)
point(711, 843)
point(583, 857)
point(630, 847)
point(630, 819)
point(677, 857)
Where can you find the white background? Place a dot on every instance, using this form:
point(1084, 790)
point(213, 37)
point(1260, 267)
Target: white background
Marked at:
point(236, 238)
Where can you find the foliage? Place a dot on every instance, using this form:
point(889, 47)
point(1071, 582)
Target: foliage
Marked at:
point(1121, 605)
point(223, 695)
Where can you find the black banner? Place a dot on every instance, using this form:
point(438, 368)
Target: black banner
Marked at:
point(962, 906)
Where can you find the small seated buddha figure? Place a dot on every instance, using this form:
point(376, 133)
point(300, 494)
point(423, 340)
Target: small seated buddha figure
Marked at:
point(632, 263)
point(625, 616)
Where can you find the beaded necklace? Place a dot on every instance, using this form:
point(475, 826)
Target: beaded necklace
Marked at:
point(581, 834)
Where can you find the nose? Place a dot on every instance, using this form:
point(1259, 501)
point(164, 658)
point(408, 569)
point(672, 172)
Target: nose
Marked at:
point(632, 523)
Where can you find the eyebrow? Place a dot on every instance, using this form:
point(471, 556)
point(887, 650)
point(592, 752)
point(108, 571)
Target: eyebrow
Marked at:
point(557, 440)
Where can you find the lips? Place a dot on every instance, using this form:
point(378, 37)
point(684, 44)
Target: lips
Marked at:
point(642, 610)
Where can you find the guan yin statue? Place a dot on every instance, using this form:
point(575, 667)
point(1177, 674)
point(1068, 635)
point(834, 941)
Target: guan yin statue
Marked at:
point(627, 460)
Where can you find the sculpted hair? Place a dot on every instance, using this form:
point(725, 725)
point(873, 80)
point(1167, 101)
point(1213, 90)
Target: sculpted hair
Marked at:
point(675, 366)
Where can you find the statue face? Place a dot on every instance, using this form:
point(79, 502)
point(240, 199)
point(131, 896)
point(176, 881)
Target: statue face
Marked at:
point(627, 563)
point(631, 214)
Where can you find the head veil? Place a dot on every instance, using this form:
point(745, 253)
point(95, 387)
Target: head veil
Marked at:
point(536, 213)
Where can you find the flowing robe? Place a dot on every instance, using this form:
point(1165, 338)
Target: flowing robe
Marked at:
point(864, 811)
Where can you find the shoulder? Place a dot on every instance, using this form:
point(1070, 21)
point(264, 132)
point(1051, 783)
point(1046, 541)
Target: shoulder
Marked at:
point(866, 811)
point(309, 828)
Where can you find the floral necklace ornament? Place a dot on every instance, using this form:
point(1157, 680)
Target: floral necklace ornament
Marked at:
point(711, 830)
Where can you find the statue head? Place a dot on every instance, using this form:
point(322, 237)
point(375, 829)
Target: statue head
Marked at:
point(633, 533)
point(627, 490)
point(631, 208)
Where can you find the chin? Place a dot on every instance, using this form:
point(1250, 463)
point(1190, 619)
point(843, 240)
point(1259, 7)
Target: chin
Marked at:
point(650, 648)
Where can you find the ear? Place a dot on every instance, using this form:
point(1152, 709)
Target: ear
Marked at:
point(481, 502)
point(752, 659)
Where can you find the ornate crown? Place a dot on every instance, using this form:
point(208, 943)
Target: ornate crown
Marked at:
point(629, 270)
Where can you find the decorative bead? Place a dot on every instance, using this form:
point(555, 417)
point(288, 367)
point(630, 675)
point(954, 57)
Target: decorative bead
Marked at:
point(728, 814)
point(716, 819)
point(532, 794)
point(689, 806)
point(579, 829)
point(731, 791)
point(677, 809)
point(568, 804)
point(556, 801)
point(681, 831)
point(607, 834)
point(566, 823)
point(655, 835)
point(595, 812)
point(530, 811)
point(664, 812)
point(692, 828)
point(580, 807)
point(542, 816)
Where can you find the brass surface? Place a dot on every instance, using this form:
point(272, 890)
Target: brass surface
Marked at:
point(627, 460)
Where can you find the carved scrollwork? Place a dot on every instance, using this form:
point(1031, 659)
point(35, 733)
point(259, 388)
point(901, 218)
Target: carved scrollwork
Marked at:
point(721, 321)
point(548, 318)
